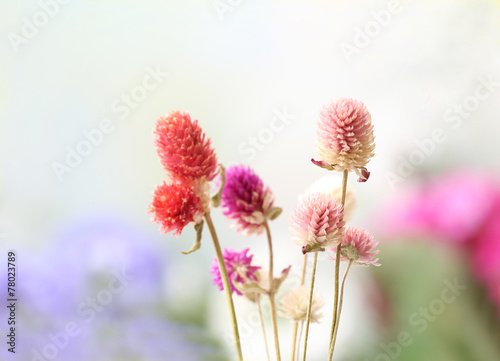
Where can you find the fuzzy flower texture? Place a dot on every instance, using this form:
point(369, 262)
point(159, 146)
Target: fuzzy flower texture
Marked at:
point(239, 269)
point(357, 246)
point(246, 199)
point(187, 156)
point(316, 222)
point(345, 138)
point(184, 150)
point(294, 304)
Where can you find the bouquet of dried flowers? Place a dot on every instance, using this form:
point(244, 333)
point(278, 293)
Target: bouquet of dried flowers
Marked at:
point(345, 143)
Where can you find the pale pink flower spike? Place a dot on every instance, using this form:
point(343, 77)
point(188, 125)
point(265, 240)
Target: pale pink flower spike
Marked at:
point(345, 139)
point(316, 222)
point(357, 246)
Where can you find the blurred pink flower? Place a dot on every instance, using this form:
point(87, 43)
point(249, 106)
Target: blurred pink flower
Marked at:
point(174, 206)
point(461, 208)
point(317, 222)
point(485, 249)
point(184, 150)
point(452, 207)
point(239, 269)
point(362, 242)
point(345, 139)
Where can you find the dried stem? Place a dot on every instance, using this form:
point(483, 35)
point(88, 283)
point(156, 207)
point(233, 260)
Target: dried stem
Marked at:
point(227, 285)
point(337, 271)
point(262, 327)
point(340, 306)
point(309, 305)
point(296, 326)
point(300, 337)
point(272, 293)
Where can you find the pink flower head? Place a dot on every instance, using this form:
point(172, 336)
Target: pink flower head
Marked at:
point(184, 150)
point(316, 222)
point(357, 246)
point(246, 199)
point(174, 206)
point(345, 138)
point(239, 269)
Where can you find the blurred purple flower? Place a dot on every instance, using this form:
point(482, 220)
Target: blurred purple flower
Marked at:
point(107, 253)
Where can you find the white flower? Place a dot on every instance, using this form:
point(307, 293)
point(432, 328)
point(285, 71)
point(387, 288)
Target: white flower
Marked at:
point(294, 304)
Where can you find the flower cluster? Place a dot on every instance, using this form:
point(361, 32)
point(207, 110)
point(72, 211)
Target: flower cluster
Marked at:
point(345, 143)
point(187, 156)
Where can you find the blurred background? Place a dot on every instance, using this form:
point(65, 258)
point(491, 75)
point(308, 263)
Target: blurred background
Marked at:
point(81, 86)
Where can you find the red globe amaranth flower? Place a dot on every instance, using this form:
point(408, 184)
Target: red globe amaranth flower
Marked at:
point(246, 199)
point(174, 206)
point(184, 150)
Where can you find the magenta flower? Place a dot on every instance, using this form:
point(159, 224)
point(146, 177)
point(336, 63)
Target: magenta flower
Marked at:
point(345, 138)
point(174, 206)
point(357, 246)
point(246, 199)
point(239, 269)
point(184, 150)
point(316, 222)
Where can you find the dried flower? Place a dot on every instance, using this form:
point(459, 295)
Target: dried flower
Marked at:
point(345, 138)
point(246, 199)
point(239, 269)
point(294, 304)
point(328, 185)
point(357, 246)
point(184, 150)
point(316, 222)
point(174, 206)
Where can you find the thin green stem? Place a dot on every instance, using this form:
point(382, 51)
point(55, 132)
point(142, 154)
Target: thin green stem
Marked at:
point(227, 285)
point(340, 305)
point(309, 305)
point(337, 271)
point(263, 327)
point(335, 302)
point(296, 326)
point(272, 293)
